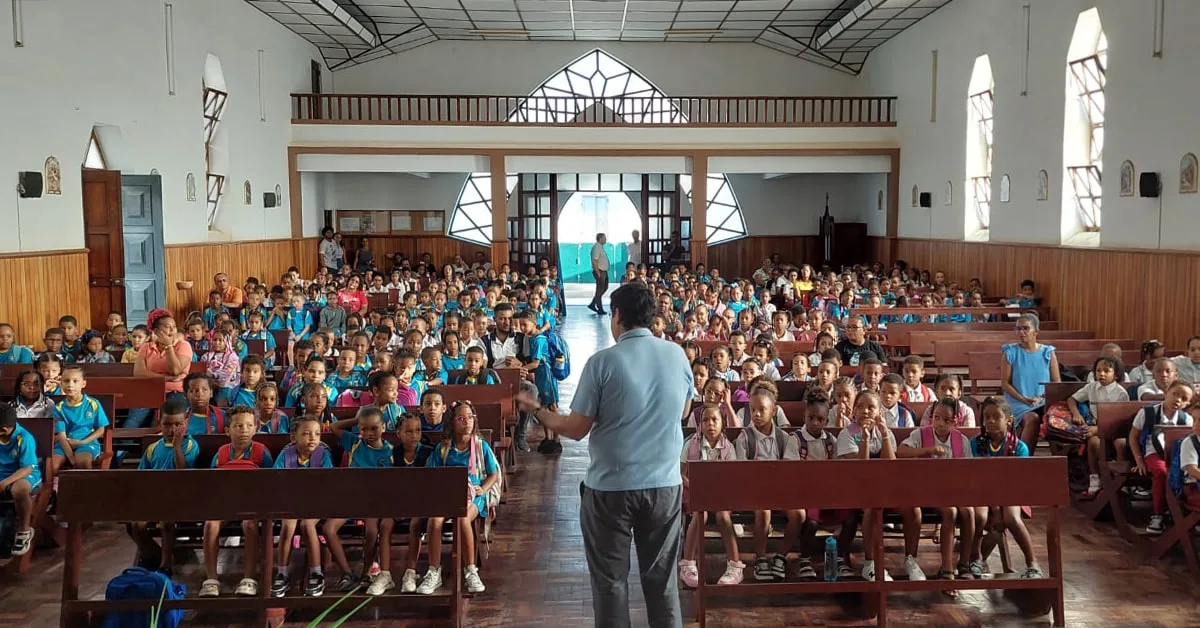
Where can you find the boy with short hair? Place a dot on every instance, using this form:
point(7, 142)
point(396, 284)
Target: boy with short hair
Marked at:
point(197, 336)
point(203, 417)
point(301, 351)
point(535, 358)
point(256, 330)
point(71, 334)
point(55, 341)
point(79, 422)
point(242, 451)
point(914, 391)
point(871, 373)
point(346, 375)
point(175, 450)
point(432, 373)
point(254, 372)
point(314, 373)
point(214, 309)
point(10, 351)
point(894, 413)
point(475, 369)
point(20, 475)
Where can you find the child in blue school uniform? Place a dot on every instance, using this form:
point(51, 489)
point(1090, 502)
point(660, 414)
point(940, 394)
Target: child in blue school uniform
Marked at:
point(299, 319)
point(412, 452)
point(214, 310)
point(277, 316)
point(10, 351)
point(475, 370)
point(997, 438)
point(175, 450)
point(536, 359)
point(432, 372)
point(79, 422)
point(254, 373)
point(314, 373)
point(197, 336)
point(306, 451)
point(20, 475)
point(463, 448)
point(365, 448)
point(271, 420)
point(301, 352)
point(203, 416)
point(347, 375)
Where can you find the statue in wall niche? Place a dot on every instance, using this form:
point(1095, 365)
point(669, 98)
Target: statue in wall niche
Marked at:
point(191, 187)
point(53, 176)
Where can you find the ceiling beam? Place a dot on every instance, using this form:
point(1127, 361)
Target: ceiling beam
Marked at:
point(357, 28)
point(859, 12)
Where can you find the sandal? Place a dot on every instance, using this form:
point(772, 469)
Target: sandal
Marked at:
point(22, 542)
point(946, 574)
point(965, 573)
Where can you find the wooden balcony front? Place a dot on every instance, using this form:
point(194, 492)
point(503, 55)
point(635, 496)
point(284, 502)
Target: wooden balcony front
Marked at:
point(571, 111)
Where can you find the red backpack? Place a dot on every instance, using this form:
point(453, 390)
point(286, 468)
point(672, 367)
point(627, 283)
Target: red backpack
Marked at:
point(225, 459)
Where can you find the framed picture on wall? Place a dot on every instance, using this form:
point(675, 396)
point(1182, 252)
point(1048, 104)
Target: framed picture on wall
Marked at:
point(1187, 174)
point(1005, 185)
point(1127, 177)
point(949, 199)
point(916, 196)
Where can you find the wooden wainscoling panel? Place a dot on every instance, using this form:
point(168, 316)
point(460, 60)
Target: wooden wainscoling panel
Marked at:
point(440, 247)
point(740, 258)
point(38, 288)
point(1118, 294)
point(198, 263)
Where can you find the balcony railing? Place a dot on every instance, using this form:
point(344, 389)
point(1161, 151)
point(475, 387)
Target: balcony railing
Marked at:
point(689, 111)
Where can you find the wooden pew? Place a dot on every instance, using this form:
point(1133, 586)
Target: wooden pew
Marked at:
point(261, 495)
point(986, 366)
point(876, 484)
point(45, 528)
point(1059, 391)
point(1113, 421)
point(282, 347)
point(922, 342)
point(783, 348)
point(508, 376)
point(900, 334)
point(1183, 520)
point(954, 352)
point(901, 433)
point(945, 311)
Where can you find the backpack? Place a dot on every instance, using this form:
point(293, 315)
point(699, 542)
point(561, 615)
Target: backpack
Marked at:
point(291, 460)
point(826, 438)
point(928, 438)
point(137, 583)
point(1175, 474)
point(1060, 427)
point(1152, 417)
point(724, 447)
point(257, 454)
point(464, 380)
point(493, 494)
point(752, 442)
point(560, 356)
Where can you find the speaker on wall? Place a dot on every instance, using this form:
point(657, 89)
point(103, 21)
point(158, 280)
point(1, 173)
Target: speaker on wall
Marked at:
point(1149, 185)
point(269, 199)
point(29, 184)
point(926, 199)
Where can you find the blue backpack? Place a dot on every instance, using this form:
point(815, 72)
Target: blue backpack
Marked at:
point(560, 356)
point(137, 583)
point(1175, 467)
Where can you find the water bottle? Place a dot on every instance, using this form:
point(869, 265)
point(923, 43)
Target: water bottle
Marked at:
point(831, 556)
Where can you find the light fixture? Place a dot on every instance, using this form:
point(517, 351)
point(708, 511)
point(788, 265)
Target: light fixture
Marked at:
point(694, 31)
point(498, 31)
point(18, 25)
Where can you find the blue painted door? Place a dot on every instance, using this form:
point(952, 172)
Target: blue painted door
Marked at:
point(142, 236)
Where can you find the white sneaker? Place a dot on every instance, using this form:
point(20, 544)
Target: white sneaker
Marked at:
point(868, 571)
point(471, 577)
point(382, 583)
point(408, 583)
point(1093, 484)
point(210, 588)
point(1156, 526)
point(248, 587)
point(739, 530)
point(912, 569)
point(431, 582)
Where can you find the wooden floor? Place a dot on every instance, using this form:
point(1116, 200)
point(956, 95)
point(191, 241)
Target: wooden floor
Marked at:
point(537, 575)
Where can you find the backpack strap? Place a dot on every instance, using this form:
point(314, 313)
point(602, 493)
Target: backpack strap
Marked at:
point(803, 446)
point(693, 447)
point(926, 436)
point(830, 445)
point(781, 438)
point(956, 443)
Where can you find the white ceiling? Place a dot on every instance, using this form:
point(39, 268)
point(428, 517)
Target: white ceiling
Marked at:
point(834, 33)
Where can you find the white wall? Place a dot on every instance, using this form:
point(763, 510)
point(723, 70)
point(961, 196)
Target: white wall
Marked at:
point(793, 204)
point(516, 68)
point(86, 63)
point(1150, 116)
point(392, 191)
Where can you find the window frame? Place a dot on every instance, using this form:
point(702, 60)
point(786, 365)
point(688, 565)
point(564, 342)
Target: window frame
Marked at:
point(1090, 76)
point(983, 108)
point(981, 195)
point(1087, 188)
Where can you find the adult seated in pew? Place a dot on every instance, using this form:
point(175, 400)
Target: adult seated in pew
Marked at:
point(241, 452)
point(20, 476)
point(709, 443)
point(855, 345)
point(168, 355)
point(80, 421)
point(939, 440)
point(463, 448)
point(1027, 364)
point(29, 396)
point(1148, 447)
point(306, 451)
point(175, 450)
point(998, 438)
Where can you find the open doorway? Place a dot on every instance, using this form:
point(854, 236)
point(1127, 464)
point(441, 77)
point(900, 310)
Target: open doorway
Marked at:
point(584, 215)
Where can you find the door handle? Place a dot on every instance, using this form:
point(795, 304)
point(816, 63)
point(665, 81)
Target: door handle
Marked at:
point(118, 282)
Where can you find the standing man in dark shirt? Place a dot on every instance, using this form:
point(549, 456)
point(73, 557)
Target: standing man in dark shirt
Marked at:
point(855, 343)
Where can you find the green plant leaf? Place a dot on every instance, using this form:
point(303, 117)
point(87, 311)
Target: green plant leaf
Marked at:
point(352, 612)
point(315, 623)
point(156, 612)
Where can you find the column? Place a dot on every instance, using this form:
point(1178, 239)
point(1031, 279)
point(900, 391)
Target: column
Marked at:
point(499, 211)
point(699, 244)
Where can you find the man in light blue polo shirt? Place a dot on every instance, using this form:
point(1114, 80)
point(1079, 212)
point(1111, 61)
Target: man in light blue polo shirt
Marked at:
point(631, 399)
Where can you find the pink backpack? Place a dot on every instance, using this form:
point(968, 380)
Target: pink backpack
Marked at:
point(928, 439)
point(724, 447)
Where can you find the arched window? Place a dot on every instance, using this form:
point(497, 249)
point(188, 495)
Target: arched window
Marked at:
point(601, 87)
point(214, 108)
point(979, 151)
point(1083, 131)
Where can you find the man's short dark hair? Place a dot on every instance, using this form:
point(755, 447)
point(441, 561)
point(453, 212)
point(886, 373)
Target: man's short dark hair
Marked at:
point(503, 307)
point(598, 236)
point(8, 416)
point(634, 304)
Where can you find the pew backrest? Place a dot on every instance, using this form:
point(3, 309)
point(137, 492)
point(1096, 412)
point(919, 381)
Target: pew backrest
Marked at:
point(921, 342)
